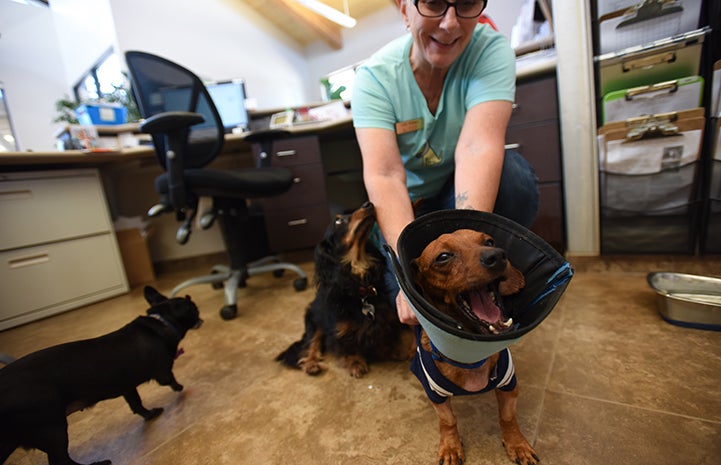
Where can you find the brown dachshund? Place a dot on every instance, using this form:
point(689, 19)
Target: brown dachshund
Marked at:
point(465, 276)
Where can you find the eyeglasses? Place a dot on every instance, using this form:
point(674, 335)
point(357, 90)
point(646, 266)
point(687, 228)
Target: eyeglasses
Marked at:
point(438, 8)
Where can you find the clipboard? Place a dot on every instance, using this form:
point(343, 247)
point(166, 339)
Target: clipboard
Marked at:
point(650, 164)
point(660, 61)
point(647, 21)
point(663, 97)
point(605, 7)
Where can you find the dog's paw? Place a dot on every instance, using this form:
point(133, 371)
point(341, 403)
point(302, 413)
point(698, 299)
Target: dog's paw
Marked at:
point(311, 367)
point(358, 369)
point(522, 453)
point(152, 413)
point(356, 365)
point(451, 454)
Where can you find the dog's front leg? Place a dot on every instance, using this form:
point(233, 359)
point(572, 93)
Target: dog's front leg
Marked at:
point(168, 379)
point(517, 447)
point(136, 405)
point(450, 449)
point(311, 363)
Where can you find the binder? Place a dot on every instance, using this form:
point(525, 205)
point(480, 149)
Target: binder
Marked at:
point(660, 61)
point(647, 21)
point(663, 97)
point(649, 164)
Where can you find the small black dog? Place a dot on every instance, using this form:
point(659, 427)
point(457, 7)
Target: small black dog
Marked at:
point(350, 315)
point(39, 390)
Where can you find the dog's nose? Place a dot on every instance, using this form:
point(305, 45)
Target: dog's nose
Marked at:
point(493, 259)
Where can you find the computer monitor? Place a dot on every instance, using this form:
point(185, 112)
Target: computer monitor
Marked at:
point(229, 99)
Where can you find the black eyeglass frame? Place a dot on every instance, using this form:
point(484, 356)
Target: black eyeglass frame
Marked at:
point(448, 5)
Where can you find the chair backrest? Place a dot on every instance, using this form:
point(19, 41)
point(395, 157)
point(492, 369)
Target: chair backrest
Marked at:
point(159, 86)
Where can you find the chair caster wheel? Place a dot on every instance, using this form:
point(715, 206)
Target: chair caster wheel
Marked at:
point(300, 284)
point(278, 273)
point(216, 284)
point(229, 312)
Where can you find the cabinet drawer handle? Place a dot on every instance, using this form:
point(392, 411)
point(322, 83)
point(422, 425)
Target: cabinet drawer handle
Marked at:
point(285, 153)
point(300, 222)
point(515, 146)
point(16, 195)
point(30, 260)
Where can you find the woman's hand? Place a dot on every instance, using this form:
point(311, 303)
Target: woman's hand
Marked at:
point(405, 312)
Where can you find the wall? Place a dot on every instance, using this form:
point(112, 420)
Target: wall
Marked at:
point(44, 52)
point(32, 72)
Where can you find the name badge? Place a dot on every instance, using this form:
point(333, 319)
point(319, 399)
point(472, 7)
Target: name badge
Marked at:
point(404, 127)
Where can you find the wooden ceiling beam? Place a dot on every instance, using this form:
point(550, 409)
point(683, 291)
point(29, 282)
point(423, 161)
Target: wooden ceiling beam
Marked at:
point(326, 30)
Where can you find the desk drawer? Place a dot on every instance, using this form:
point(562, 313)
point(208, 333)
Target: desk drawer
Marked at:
point(293, 151)
point(308, 189)
point(535, 101)
point(299, 228)
point(38, 211)
point(539, 144)
point(39, 281)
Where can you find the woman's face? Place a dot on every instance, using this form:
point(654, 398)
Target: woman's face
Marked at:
point(437, 41)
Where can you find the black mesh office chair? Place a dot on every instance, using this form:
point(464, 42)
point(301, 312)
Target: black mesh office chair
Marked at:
point(188, 134)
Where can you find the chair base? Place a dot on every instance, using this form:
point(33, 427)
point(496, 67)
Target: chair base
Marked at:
point(235, 278)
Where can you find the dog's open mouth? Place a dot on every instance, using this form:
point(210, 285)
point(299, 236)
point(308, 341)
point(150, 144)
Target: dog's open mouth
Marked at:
point(484, 307)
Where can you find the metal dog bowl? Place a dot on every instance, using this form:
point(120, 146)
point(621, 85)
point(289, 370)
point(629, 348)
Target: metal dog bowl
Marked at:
point(688, 300)
point(547, 275)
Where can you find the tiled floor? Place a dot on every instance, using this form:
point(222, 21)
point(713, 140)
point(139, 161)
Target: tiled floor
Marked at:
point(604, 380)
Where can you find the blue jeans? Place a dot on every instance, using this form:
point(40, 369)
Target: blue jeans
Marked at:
point(517, 200)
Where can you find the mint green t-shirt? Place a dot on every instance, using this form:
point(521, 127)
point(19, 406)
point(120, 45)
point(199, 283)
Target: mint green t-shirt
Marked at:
point(386, 95)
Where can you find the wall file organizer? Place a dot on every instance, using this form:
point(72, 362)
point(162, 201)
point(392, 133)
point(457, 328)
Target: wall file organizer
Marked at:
point(649, 179)
point(646, 22)
point(663, 60)
point(676, 95)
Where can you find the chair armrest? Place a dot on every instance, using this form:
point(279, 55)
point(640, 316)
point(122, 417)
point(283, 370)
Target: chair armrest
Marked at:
point(173, 127)
point(170, 121)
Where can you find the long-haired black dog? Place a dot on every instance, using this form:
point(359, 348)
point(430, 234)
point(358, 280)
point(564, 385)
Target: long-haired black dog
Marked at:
point(351, 315)
point(38, 391)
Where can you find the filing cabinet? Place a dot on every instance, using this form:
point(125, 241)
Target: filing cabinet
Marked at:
point(58, 250)
point(533, 131)
point(298, 218)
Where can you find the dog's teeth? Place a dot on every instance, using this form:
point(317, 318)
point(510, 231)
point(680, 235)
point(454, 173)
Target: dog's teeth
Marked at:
point(508, 323)
point(492, 329)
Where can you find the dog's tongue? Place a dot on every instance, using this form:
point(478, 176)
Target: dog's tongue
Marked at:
point(484, 308)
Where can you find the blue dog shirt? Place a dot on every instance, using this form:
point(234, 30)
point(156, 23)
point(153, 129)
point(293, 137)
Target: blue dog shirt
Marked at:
point(439, 388)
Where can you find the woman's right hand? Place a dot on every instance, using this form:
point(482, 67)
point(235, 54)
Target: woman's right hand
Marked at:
point(405, 313)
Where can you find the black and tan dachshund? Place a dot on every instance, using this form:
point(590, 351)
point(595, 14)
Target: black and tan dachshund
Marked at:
point(350, 316)
point(39, 390)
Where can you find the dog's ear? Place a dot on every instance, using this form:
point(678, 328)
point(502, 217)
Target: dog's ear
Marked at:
point(513, 283)
point(153, 296)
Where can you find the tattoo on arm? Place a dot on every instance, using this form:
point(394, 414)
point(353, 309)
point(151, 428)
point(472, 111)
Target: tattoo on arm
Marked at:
point(462, 201)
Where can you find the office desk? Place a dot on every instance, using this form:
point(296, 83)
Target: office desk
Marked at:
point(128, 176)
point(327, 169)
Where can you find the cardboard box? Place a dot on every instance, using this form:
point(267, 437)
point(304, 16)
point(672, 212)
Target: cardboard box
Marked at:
point(133, 244)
